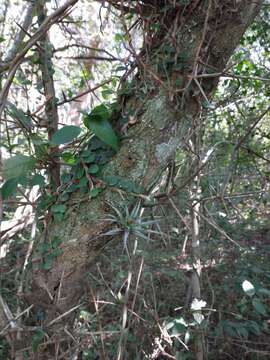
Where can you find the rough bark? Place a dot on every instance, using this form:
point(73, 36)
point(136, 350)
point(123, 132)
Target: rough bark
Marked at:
point(204, 33)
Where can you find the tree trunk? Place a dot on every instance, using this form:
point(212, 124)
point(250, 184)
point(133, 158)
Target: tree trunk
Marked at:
point(47, 71)
point(167, 97)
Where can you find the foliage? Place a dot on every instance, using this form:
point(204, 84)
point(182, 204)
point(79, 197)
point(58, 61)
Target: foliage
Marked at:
point(136, 301)
point(98, 122)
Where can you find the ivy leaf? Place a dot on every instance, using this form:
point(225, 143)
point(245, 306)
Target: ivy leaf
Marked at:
point(98, 122)
point(65, 135)
point(48, 264)
point(106, 93)
point(59, 208)
point(65, 178)
point(103, 130)
point(37, 339)
point(69, 158)
point(9, 188)
point(56, 242)
point(264, 291)
point(259, 306)
point(119, 37)
point(90, 158)
point(120, 68)
point(79, 172)
point(100, 111)
point(93, 169)
point(94, 192)
point(40, 146)
point(112, 180)
point(254, 328)
point(19, 115)
point(18, 165)
point(38, 180)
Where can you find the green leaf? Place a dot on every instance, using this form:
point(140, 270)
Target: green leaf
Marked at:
point(72, 188)
point(56, 252)
point(83, 181)
point(97, 121)
point(24, 181)
point(56, 241)
point(65, 135)
point(65, 178)
point(84, 189)
point(85, 153)
point(179, 326)
point(9, 188)
point(79, 173)
point(38, 180)
point(112, 180)
point(103, 130)
point(59, 208)
point(19, 115)
point(94, 192)
point(119, 37)
point(106, 93)
point(264, 291)
point(58, 217)
point(93, 169)
point(229, 329)
point(120, 68)
point(48, 264)
point(242, 331)
point(100, 111)
point(90, 158)
point(69, 158)
point(178, 329)
point(254, 327)
point(259, 306)
point(40, 146)
point(18, 165)
point(44, 248)
point(37, 339)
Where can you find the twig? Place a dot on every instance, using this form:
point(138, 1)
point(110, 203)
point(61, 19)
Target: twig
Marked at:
point(21, 34)
point(215, 226)
point(238, 145)
point(64, 314)
point(122, 340)
point(84, 93)
point(2, 332)
point(50, 20)
point(178, 213)
point(103, 351)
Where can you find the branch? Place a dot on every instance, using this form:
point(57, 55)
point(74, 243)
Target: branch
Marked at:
point(21, 34)
point(52, 19)
point(46, 67)
point(64, 48)
point(23, 217)
point(89, 57)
